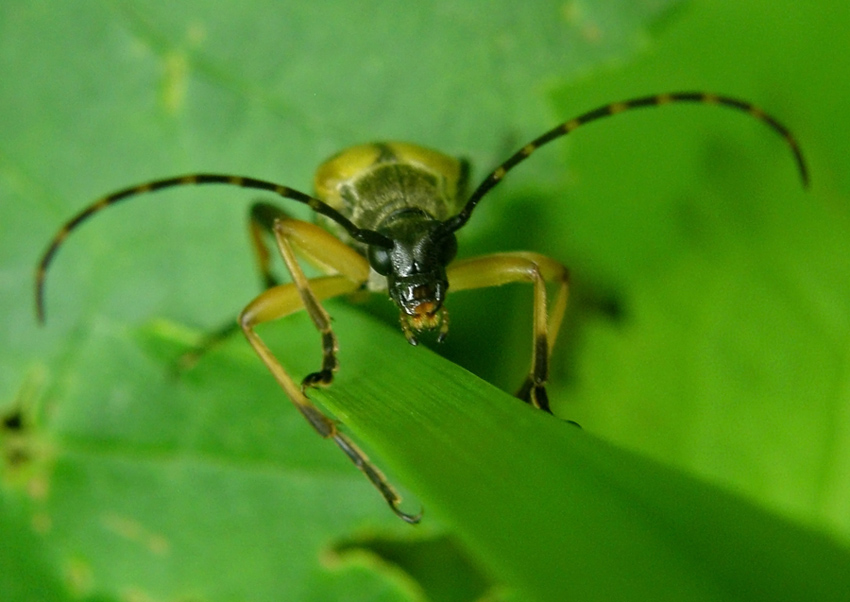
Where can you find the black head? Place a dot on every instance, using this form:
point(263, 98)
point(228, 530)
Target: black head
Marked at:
point(415, 267)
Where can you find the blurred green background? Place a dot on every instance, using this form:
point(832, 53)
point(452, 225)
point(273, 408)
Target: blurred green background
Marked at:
point(727, 356)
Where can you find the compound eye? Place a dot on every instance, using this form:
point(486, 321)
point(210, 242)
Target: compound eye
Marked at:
point(379, 259)
point(448, 249)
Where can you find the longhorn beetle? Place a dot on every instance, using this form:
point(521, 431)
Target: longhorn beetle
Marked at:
point(388, 214)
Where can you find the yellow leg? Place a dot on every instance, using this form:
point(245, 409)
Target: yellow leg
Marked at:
point(261, 223)
point(502, 268)
point(320, 248)
point(262, 217)
point(276, 303)
point(352, 271)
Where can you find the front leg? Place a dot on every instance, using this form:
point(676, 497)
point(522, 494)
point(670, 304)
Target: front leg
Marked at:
point(279, 301)
point(502, 268)
point(323, 249)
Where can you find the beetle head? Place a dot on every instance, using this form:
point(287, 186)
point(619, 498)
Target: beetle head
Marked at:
point(415, 267)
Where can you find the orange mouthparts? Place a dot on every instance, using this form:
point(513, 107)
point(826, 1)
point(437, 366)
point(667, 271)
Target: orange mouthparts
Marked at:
point(426, 316)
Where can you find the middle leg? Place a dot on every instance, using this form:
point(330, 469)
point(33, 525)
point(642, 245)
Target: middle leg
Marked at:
point(261, 220)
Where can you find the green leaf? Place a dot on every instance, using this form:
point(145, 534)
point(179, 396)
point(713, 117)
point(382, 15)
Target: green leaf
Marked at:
point(554, 510)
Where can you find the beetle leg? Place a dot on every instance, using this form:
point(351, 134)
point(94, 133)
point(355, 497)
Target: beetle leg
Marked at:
point(332, 255)
point(261, 220)
point(283, 300)
point(322, 248)
point(502, 268)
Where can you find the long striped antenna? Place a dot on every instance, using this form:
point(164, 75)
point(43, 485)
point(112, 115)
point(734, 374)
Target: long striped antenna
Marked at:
point(368, 237)
point(496, 176)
